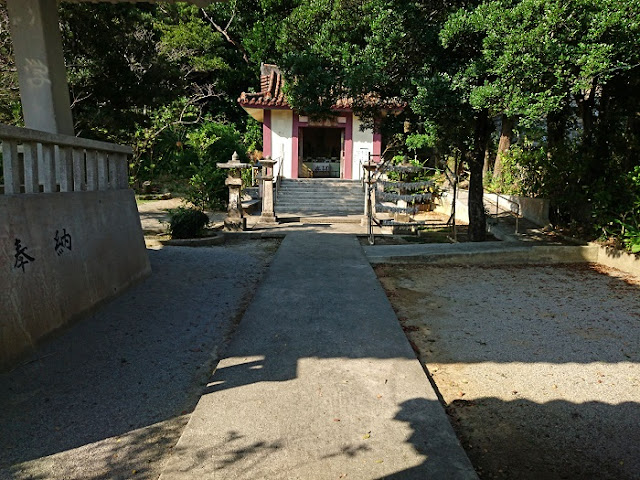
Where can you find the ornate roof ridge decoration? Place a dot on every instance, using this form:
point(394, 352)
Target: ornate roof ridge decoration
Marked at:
point(271, 95)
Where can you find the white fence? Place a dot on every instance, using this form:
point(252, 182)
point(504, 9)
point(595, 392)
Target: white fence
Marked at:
point(35, 161)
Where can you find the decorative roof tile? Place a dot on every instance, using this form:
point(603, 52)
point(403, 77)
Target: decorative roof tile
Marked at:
point(272, 96)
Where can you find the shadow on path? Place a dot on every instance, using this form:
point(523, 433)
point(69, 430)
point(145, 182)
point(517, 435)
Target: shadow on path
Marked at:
point(141, 361)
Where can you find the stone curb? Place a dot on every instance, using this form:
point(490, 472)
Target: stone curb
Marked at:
point(493, 256)
point(194, 242)
point(614, 258)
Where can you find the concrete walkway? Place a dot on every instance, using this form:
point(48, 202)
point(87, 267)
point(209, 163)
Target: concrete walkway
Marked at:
point(319, 382)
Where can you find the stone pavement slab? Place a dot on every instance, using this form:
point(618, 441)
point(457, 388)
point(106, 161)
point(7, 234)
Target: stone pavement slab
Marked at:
point(319, 382)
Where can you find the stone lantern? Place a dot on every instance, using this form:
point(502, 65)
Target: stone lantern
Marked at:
point(235, 221)
point(266, 176)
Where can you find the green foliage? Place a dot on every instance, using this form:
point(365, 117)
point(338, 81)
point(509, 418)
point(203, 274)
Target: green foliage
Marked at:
point(566, 66)
point(247, 178)
point(419, 141)
point(10, 110)
point(115, 74)
point(188, 151)
point(630, 236)
point(522, 172)
point(186, 39)
point(206, 188)
point(187, 222)
point(252, 137)
point(627, 210)
point(537, 54)
point(211, 143)
point(165, 78)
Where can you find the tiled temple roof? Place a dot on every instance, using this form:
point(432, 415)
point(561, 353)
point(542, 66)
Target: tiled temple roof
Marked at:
point(272, 96)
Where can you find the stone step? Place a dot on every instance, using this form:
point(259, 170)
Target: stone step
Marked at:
point(322, 185)
point(344, 206)
point(320, 180)
point(332, 202)
point(321, 200)
point(337, 184)
point(318, 214)
point(320, 197)
point(301, 188)
point(303, 191)
point(333, 211)
point(337, 191)
point(309, 208)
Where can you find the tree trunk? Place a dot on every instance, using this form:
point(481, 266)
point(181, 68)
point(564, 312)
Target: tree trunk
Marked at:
point(487, 162)
point(633, 145)
point(506, 133)
point(604, 128)
point(556, 128)
point(586, 104)
point(477, 217)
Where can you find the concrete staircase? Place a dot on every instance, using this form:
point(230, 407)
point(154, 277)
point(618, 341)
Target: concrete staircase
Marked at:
point(320, 197)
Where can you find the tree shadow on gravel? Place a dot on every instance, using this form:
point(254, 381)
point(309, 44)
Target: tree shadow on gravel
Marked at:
point(524, 440)
point(132, 369)
point(564, 332)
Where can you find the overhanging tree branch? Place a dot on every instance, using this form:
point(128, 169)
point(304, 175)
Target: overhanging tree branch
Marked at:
point(224, 32)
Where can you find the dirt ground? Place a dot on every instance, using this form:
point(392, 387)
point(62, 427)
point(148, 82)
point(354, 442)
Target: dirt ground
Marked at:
point(154, 218)
point(538, 366)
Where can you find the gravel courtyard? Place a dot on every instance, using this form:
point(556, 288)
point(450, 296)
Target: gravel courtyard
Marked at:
point(109, 398)
point(539, 366)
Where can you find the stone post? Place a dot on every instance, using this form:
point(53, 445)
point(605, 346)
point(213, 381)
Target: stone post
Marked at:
point(37, 44)
point(268, 213)
point(235, 221)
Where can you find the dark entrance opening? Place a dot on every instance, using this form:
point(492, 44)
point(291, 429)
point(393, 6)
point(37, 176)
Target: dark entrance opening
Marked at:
point(322, 151)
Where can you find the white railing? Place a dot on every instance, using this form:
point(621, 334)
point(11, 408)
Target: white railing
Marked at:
point(35, 161)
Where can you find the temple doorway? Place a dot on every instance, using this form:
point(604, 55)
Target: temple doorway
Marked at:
point(321, 152)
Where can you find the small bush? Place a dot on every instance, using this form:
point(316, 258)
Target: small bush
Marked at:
point(187, 222)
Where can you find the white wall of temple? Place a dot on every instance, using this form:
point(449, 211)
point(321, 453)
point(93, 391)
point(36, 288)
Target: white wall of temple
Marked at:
point(281, 142)
point(362, 147)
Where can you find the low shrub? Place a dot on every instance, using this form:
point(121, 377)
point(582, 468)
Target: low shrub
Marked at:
point(187, 222)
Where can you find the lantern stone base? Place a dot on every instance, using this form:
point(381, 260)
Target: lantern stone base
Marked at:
point(235, 224)
point(268, 218)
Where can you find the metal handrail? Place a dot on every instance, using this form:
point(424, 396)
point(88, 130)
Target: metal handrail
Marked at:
point(511, 211)
point(277, 178)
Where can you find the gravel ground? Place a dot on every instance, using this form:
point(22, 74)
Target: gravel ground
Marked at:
point(109, 397)
point(539, 366)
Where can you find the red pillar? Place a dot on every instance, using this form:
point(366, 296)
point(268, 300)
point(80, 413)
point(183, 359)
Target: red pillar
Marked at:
point(377, 142)
point(348, 148)
point(294, 146)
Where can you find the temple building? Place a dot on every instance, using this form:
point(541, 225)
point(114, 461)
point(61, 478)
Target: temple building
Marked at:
point(307, 148)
